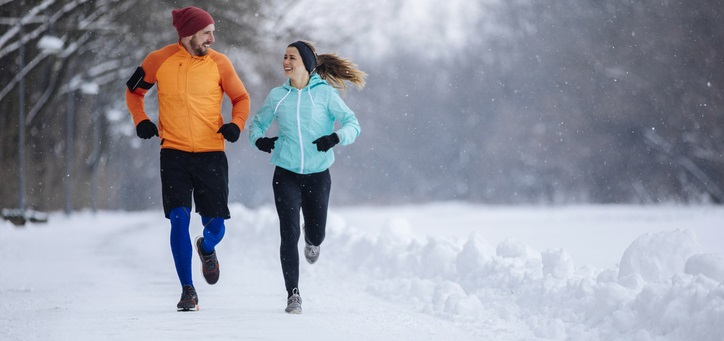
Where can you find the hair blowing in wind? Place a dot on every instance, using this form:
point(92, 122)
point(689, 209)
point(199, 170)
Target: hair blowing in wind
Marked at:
point(336, 70)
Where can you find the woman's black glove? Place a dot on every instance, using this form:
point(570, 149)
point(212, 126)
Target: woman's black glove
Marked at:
point(230, 131)
point(326, 143)
point(146, 129)
point(266, 144)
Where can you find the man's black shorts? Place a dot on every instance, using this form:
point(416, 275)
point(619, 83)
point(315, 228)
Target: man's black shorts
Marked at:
point(205, 176)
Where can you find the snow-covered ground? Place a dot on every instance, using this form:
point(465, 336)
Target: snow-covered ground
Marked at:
point(449, 271)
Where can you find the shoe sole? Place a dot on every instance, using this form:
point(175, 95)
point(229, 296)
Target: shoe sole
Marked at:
point(196, 308)
point(294, 311)
point(311, 260)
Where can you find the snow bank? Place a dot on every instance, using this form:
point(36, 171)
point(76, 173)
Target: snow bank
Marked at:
point(665, 288)
point(707, 264)
point(658, 256)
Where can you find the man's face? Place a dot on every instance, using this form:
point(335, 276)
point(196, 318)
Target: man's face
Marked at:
point(201, 40)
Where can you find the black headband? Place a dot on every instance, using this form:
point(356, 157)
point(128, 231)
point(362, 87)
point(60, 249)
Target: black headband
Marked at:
point(308, 56)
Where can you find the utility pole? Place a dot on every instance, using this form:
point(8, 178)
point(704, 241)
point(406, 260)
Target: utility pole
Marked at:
point(21, 121)
point(69, 123)
point(20, 215)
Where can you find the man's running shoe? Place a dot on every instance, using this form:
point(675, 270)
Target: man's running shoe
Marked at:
point(189, 300)
point(209, 263)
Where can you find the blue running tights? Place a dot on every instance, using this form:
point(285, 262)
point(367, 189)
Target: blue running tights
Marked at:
point(181, 246)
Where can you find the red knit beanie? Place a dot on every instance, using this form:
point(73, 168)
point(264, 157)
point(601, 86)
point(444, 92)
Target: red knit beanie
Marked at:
point(189, 20)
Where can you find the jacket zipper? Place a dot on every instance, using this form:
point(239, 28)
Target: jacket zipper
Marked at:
point(299, 131)
point(183, 88)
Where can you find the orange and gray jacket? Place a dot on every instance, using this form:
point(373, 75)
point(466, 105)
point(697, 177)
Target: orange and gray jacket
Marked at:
point(190, 93)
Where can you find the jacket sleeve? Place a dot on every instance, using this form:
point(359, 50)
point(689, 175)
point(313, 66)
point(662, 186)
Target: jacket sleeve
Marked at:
point(135, 98)
point(234, 88)
point(350, 128)
point(262, 121)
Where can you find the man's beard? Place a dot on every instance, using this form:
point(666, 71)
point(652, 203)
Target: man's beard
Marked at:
point(198, 48)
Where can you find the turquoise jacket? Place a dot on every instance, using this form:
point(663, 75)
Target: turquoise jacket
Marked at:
point(304, 116)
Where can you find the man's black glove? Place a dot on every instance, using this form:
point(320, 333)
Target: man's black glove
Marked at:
point(326, 143)
point(146, 129)
point(266, 144)
point(230, 131)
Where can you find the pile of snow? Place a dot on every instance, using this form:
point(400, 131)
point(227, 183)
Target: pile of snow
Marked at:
point(665, 288)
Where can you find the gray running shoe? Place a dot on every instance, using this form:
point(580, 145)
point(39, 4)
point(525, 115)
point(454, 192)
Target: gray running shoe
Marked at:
point(294, 303)
point(311, 253)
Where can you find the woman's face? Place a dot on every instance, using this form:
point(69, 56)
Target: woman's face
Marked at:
point(293, 64)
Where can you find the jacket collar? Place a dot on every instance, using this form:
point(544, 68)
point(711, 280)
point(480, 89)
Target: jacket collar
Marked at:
point(314, 80)
point(183, 49)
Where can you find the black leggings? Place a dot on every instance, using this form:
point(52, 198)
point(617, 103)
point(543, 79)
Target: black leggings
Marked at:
point(292, 192)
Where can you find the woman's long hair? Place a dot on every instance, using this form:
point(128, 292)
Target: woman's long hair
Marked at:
point(336, 70)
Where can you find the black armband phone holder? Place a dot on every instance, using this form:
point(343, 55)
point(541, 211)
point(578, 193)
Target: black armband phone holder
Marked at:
point(136, 81)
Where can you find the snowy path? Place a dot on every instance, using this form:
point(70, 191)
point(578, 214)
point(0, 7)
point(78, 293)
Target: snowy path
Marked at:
point(404, 273)
point(112, 278)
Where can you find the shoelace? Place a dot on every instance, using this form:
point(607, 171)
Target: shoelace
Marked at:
point(313, 250)
point(295, 297)
point(188, 294)
point(209, 263)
